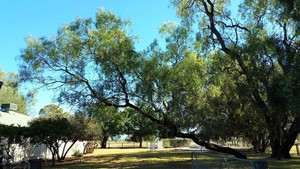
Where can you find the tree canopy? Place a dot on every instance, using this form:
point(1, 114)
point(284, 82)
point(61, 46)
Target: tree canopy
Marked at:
point(111, 121)
point(264, 43)
point(205, 78)
point(95, 62)
point(56, 129)
point(10, 92)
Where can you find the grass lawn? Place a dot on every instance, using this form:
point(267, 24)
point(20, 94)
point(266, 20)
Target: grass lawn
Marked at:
point(163, 159)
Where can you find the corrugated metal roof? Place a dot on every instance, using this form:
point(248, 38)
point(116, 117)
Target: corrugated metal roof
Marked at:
point(14, 118)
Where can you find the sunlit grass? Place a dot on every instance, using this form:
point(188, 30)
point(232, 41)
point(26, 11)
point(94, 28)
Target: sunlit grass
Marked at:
point(164, 159)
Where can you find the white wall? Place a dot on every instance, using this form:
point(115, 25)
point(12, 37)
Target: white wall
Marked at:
point(41, 151)
point(29, 151)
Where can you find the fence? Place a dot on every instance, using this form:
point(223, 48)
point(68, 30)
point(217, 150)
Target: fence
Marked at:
point(202, 160)
point(126, 144)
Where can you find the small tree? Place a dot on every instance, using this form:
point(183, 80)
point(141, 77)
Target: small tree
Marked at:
point(53, 132)
point(55, 129)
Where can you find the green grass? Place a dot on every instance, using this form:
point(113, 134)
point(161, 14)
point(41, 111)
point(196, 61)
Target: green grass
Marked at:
point(143, 158)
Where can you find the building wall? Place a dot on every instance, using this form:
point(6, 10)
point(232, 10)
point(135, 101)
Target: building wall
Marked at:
point(14, 118)
point(19, 152)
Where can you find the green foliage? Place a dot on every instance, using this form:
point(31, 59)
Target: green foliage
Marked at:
point(88, 128)
point(13, 134)
point(77, 153)
point(263, 43)
point(52, 110)
point(93, 64)
point(49, 131)
point(10, 92)
point(84, 52)
point(180, 142)
point(55, 129)
point(112, 122)
point(139, 128)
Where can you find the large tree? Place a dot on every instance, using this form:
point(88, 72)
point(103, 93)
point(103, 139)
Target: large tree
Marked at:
point(264, 43)
point(240, 117)
point(93, 61)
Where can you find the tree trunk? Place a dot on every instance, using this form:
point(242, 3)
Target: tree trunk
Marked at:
point(53, 159)
point(260, 144)
point(65, 152)
point(285, 152)
point(282, 150)
point(173, 128)
point(104, 141)
point(212, 146)
point(53, 155)
point(141, 142)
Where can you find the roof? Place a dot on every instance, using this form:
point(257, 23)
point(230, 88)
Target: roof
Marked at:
point(14, 118)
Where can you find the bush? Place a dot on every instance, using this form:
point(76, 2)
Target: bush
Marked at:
point(180, 142)
point(77, 153)
point(166, 143)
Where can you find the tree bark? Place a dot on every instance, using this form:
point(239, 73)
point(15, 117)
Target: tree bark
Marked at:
point(174, 129)
point(212, 146)
point(282, 150)
point(141, 142)
point(104, 141)
point(53, 152)
point(64, 153)
point(289, 143)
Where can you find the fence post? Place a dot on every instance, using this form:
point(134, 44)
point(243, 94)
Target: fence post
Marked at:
point(192, 157)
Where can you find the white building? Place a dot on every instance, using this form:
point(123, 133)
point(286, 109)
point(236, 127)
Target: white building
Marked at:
point(19, 152)
point(13, 118)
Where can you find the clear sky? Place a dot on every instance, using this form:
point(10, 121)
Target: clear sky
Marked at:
point(20, 18)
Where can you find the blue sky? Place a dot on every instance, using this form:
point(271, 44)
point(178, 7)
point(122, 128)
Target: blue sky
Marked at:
point(20, 18)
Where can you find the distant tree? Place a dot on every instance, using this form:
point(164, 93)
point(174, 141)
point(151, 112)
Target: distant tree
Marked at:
point(10, 92)
point(112, 122)
point(140, 129)
point(88, 129)
point(52, 110)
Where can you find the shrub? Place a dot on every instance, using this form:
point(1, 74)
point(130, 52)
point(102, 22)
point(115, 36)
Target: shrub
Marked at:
point(77, 153)
point(180, 142)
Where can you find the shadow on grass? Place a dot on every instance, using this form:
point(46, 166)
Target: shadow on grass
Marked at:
point(174, 159)
point(145, 160)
